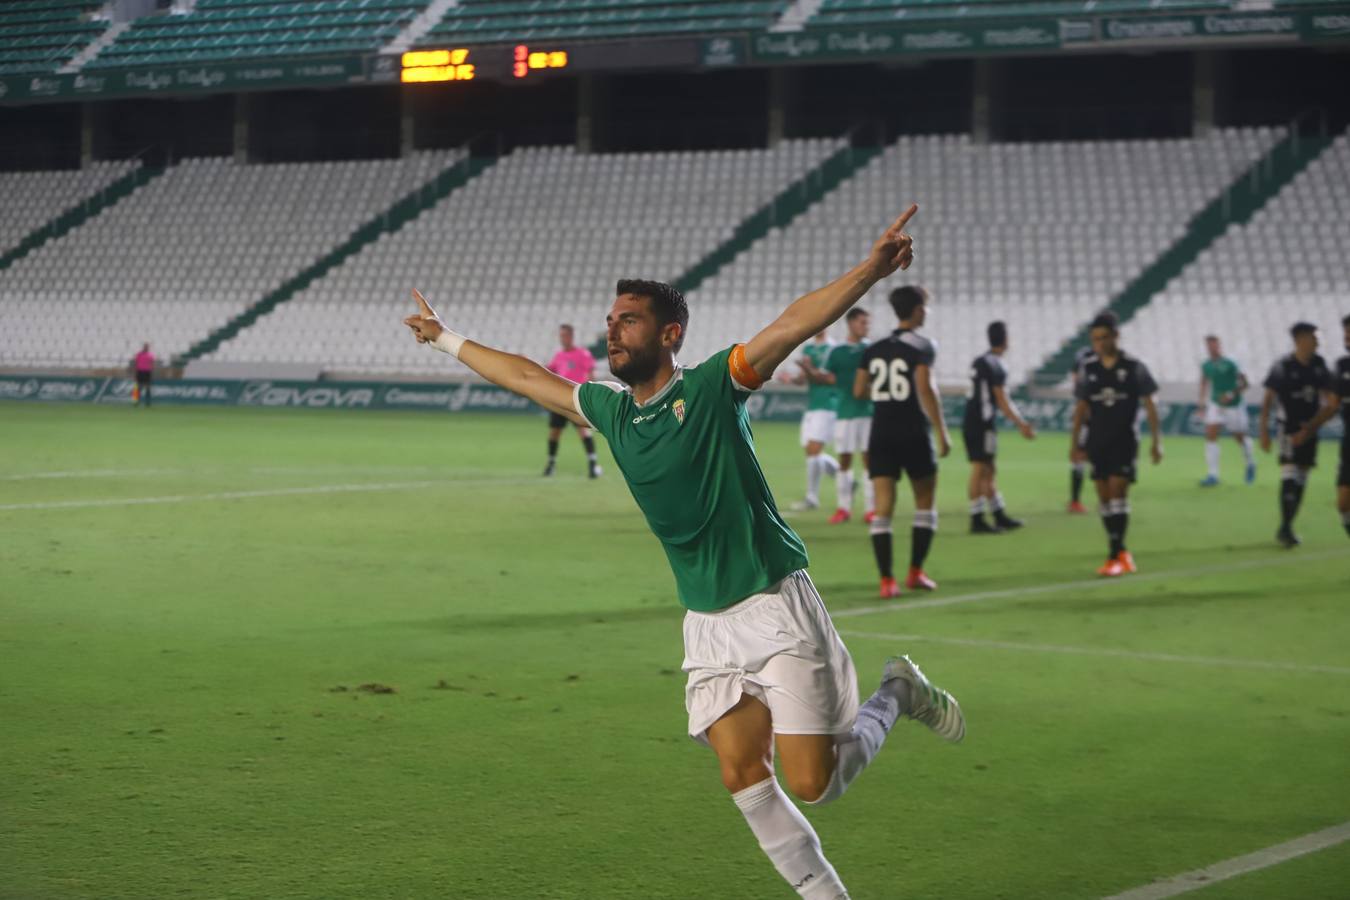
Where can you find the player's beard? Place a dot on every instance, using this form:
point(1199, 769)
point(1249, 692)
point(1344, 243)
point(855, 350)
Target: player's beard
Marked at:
point(640, 364)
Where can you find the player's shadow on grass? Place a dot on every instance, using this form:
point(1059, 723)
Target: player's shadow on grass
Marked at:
point(670, 613)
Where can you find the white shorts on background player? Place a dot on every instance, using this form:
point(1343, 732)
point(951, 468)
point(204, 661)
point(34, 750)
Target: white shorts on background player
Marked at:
point(1232, 418)
point(817, 426)
point(779, 647)
point(851, 435)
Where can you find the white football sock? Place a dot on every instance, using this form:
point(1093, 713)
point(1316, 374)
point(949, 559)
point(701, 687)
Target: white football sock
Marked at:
point(996, 502)
point(1212, 458)
point(845, 490)
point(829, 464)
point(1247, 448)
point(977, 506)
point(788, 840)
point(854, 751)
point(869, 494)
point(813, 472)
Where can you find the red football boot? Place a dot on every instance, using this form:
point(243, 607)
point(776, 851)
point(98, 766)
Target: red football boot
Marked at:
point(918, 581)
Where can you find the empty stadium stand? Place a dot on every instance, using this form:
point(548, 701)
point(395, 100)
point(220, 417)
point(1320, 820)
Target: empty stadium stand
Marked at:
point(1040, 235)
point(1287, 263)
point(32, 199)
point(39, 36)
point(224, 30)
point(881, 12)
point(537, 240)
point(496, 21)
point(181, 256)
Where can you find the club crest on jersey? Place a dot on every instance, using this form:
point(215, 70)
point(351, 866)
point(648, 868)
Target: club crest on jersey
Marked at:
point(678, 409)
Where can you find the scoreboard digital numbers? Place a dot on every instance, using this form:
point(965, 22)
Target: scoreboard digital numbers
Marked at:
point(492, 63)
point(527, 60)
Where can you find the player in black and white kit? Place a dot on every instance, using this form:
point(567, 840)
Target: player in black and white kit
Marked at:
point(988, 397)
point(896, 373)
point(1112, 385)
point(1304, 388)
point(1343, 392)
point(1078, 463)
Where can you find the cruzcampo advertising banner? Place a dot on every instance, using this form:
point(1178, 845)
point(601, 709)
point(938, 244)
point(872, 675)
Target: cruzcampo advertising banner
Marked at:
point(185, 79)
point(769, 405)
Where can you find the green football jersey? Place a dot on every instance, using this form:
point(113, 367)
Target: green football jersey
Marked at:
point(820, 396)
point(689, 459)
point(1222, 374)
point(843, 364)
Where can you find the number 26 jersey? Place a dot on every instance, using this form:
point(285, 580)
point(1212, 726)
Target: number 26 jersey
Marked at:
point(891, 365)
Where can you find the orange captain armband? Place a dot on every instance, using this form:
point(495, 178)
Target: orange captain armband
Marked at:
point(741, 371)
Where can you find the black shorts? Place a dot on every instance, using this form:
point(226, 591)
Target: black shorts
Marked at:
point(1118, 459)
point(1304, 455)
point(143, 378)
point(557, 420)
point(1343, 475)
point(888, 455)
point(981, 442)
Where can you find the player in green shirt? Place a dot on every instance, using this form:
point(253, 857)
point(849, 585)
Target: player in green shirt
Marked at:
point(1221, 387)
point(768, 675)
point(818, 421)
point(853, 417)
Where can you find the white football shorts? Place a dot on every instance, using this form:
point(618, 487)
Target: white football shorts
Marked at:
point(779, 647)
point(851, 435)
point(817, 426)
point(1232, 418)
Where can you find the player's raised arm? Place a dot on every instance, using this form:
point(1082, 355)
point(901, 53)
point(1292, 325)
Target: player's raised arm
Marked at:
point(815, 312)
point(515, 373)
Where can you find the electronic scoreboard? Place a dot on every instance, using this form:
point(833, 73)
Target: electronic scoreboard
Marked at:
point(474, 63)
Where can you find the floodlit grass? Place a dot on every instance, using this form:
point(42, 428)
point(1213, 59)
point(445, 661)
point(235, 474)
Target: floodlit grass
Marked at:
point(191, 688)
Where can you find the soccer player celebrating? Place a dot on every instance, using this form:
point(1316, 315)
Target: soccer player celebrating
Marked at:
point(897, 374)
point(1078, 459)
point(768, 673)
point(1221, 385)
point(818, 420)
point(988, 396)
point(1301, 383)
point(853, 417)
point(575, 364)
point(1111, 387)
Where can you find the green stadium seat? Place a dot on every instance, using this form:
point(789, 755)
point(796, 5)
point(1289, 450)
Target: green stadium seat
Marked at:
point(231, 29)
point(40, 36)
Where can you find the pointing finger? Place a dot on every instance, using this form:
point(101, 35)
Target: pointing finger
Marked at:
point(427, 311)
point(905, 217)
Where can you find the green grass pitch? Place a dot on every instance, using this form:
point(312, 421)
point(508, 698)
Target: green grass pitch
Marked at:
point(183, 712)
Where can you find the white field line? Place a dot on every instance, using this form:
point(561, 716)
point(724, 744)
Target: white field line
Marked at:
point(902, 606)
point(250, 495)
point(82, 473)
point(1239, 865)
point(1106, 652)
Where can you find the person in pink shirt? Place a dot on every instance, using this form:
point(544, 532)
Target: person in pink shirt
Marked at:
point(575, 364)
point(144, 364)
